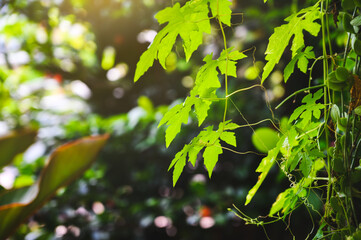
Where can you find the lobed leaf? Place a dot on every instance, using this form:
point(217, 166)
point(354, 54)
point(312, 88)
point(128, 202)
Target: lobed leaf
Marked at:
point(209, 140)
point(221, 9)
point(302, 62)
point(309, 109)
point(306, 164)
point(304, 20)
point(264, 167)
point(229, 138)
point(183, 22)
point(210, 156)
point(206, 84)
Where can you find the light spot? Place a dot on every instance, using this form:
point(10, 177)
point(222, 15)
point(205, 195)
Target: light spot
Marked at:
point(276, 77)
point(147, 35)
point(19, 58)
point(4, 128)
point(7, 177)
point(241, 32)
point(188, 82)
point(206, 222)
point(60, 231)
point(188, 210)
point(118, 72)
point(74, 230)
point(171, 231)
point(41, 35)
point(118, 93)
point(146, 222)
point(278, 91)
point(162, 222)
point(199, 178)
point(98, 208)
point(67, 65)
point(34, 152)
point(81, 89)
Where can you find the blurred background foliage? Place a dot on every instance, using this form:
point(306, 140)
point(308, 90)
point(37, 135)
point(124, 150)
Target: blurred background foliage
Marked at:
point(67, 67)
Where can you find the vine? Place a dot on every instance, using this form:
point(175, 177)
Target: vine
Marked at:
point(321, 140)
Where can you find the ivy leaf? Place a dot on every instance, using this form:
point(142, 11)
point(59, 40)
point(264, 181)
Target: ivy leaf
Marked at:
point(207, 139)
point(210, 156)
point(264, 167)
point(183, 22)
point(221, 8)
point(304, 20)
point(207, 78)
point(206, 84)
point(229, 67)
point(228, 125)
point(316, 153)
point(174, 118)
point(280, 201)
point(306, 164)
point(309, 109)
point(287, 200)
point(178, 163)
point(302, 61)
point(229, 138)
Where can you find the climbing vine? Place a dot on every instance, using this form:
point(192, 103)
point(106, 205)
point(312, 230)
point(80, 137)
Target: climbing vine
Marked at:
point(318, 148)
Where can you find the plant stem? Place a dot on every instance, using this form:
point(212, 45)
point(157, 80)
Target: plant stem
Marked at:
point(297, 92)
point(226, 72)
point(325, 75)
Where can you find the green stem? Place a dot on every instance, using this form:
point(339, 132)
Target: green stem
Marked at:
point(226, 72)
point(297, 92)
point(325, 75)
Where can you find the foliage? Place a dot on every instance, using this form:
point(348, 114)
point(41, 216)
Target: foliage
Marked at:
point(312, 147)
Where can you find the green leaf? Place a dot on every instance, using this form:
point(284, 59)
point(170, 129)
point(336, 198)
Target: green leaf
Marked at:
point(287, 199)
point(183, 22)
point(221, 9)
point(201, 107)
point(206, 84)
point(309, 109)
point(319, 233)
point(280, 201)
point(208, 139)
point(356, 21)
point(14, 143)
point(207, 77)
point(210, 156)
point(229, 138)
point(228, 125)
point(174, 118)
point(302, 61)
point(358, 111)
point(306, 164)
point(178, 163)
point(304, 20)
point(65, 164)
point(264, 167)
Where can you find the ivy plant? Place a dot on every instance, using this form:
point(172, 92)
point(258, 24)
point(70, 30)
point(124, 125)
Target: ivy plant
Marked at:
point(318, 149)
